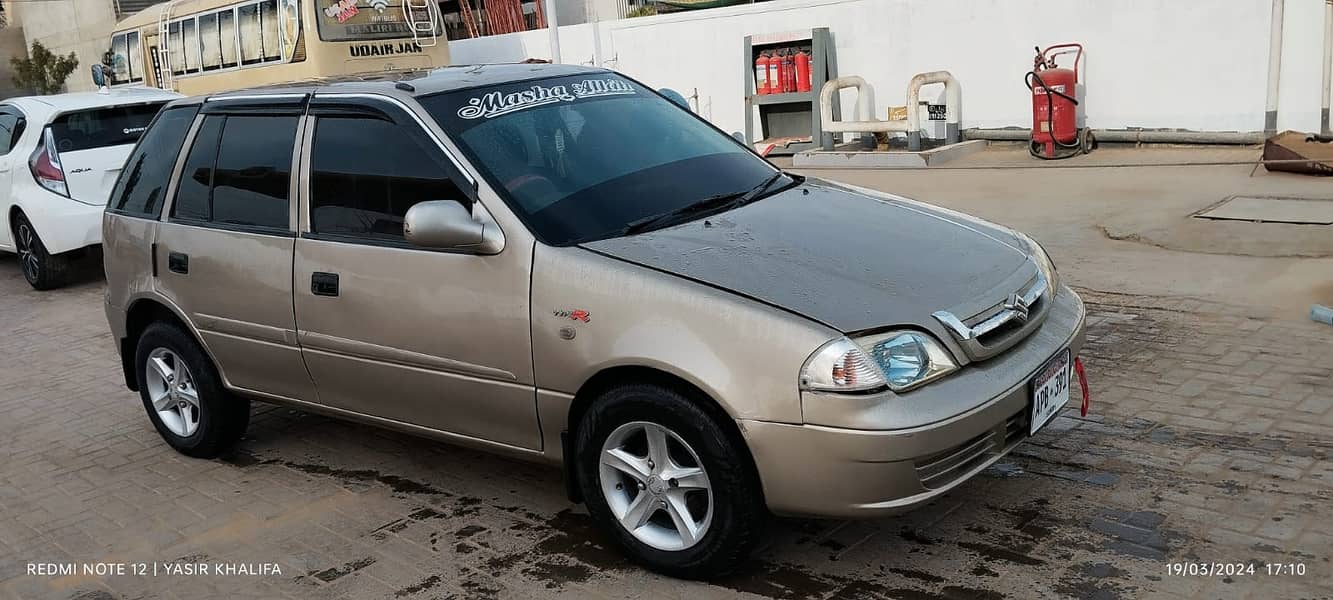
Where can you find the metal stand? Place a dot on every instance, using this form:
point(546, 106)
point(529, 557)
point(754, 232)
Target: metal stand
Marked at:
point(795, 114)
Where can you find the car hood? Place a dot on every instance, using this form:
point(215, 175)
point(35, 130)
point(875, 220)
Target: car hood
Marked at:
point(850, 258)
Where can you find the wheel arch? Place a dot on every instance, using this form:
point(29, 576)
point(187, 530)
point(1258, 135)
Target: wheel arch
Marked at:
point(141, 313)
point(614, 376)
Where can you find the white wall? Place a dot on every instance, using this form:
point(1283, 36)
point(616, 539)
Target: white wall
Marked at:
point(63, 26)
point(1194, 64)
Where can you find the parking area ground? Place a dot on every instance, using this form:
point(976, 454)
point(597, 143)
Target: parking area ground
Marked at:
point(1209, 442)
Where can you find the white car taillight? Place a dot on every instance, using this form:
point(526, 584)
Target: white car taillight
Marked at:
point(45, 166)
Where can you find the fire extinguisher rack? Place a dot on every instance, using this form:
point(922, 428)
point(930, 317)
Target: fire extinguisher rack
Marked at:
point(789, 119)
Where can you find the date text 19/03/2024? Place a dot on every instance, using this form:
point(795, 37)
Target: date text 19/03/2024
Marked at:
point(154, 569)
point(1228, 569)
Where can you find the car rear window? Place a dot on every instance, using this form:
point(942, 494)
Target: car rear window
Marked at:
point(102, 127)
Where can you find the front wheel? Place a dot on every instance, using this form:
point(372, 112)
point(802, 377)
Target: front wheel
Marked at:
point(668, 482)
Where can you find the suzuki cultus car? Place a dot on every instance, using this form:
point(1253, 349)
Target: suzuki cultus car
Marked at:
point(557, 263)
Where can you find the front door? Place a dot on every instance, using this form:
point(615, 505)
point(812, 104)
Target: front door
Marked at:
point(431, 338)
point(224, 254)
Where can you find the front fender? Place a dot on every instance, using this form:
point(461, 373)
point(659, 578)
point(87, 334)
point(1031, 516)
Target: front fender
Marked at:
point(591, 313)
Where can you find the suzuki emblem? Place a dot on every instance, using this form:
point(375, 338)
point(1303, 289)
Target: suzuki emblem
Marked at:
point(1019, 305)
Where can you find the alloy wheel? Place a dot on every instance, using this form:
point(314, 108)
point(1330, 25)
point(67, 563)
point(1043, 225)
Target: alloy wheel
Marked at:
point(172, 391)
point(26, 240)
point(655, 485)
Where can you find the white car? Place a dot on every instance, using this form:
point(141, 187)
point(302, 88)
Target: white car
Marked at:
point(59, 157)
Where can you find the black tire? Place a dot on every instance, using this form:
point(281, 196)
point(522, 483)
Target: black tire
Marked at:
point(223, 417)
point(42, 270)
point(739, 512)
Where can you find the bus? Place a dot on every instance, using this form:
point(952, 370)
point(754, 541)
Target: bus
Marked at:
point(205, 46)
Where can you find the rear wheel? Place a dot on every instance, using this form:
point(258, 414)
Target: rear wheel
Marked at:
point(183, 394)
point(42, 270)
point(668, 482)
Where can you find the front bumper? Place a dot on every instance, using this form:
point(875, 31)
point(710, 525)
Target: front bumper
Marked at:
point(821, 470)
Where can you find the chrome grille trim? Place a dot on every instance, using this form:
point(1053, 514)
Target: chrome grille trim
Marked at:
point(1022, 311)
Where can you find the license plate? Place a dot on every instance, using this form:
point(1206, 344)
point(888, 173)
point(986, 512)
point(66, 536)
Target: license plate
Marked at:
point(1050, 390)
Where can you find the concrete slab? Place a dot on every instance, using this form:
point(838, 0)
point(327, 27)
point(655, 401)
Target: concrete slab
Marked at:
point(870, 159)
point(1273, 209)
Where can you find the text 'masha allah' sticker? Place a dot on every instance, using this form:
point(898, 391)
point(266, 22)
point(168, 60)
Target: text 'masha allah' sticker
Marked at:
point(495, 104)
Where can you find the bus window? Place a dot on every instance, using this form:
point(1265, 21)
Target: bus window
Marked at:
point(227, 26)
point(190, 43)
point(268, 25)
point(347, 20)
point(126, 58)
point(258, 25)
point(291, 29)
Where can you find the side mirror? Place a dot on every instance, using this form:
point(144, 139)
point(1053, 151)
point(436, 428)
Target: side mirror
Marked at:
point(99, 76)
point(675, 97)
point(446, 224)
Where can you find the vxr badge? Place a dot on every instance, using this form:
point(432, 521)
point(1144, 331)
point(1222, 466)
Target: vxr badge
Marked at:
point(573, 315)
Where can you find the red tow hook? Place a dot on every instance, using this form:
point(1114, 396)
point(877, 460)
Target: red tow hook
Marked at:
point(1083, 383)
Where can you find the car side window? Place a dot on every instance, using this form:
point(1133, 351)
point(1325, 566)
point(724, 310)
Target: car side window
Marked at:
point(9, 130)
point(238, 172)
point(366, 172)
point(196, 180)
point(254, 170)
point(143, 182)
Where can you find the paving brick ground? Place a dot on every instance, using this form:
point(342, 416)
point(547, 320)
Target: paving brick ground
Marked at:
point(1209, 442)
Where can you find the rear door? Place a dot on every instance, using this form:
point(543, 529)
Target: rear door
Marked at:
point(224, 253)
point(93, 144)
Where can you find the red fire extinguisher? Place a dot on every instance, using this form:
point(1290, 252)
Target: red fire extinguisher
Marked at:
point(802, 71)
point(774, 73)
point(761, 81)
point(788, 72)
point(1056, 110)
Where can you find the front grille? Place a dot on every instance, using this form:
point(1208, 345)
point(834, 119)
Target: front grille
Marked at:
point(940, 469)
point(1016, 428)
point(1004, 323)
point(945, 467)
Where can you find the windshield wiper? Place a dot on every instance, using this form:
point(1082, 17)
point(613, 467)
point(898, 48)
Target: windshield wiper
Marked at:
point(713, 204)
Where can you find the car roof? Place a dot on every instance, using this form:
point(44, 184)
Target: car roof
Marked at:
point(58, 103)
point(419, 83)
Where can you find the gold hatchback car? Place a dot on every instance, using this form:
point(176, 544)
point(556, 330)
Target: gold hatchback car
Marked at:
point(560, 264)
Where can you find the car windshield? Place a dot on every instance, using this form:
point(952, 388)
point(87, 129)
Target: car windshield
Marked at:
point(586, 157)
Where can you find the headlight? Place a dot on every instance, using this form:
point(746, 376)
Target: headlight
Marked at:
point(908, 358)
point(900, 360)
point(840, 366)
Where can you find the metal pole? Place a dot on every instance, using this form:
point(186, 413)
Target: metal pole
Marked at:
point(1274, 67)
point(554, 26)
point(1328, 67)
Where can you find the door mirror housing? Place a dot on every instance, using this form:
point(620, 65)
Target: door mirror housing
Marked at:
point(99, 76)
point(448, 225)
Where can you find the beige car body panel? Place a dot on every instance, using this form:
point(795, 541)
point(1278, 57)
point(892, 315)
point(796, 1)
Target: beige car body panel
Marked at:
point(492, 350)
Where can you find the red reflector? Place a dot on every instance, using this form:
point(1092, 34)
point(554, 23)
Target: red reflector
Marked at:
point(1083, 383)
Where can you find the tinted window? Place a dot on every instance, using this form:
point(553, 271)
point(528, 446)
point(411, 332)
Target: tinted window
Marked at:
point(583, 157)
point(250, 182)
point(8, 131)
point(197, 175)
point(144, 179)
point(365, 173)
point(102, 127)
